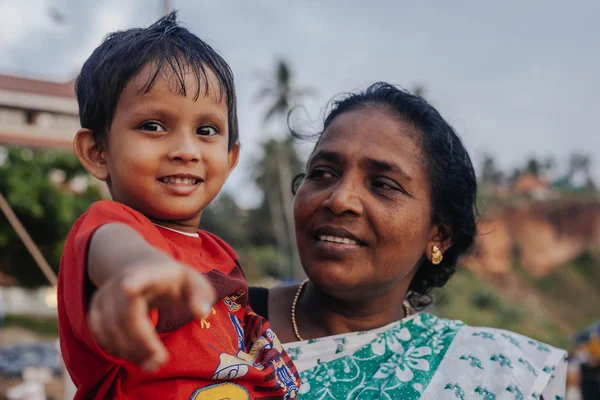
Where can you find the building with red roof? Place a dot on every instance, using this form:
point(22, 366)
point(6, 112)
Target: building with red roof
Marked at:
point(37, 113)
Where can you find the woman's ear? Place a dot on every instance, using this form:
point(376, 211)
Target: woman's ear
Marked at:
point(441, 238)
point(90, 154)
point(297, 182)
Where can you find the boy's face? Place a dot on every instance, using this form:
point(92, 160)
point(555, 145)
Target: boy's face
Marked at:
point(167, 154)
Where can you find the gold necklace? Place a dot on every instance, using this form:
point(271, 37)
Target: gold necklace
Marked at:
point(299, 291)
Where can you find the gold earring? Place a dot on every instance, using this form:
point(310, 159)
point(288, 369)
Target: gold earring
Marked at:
point(436, 255)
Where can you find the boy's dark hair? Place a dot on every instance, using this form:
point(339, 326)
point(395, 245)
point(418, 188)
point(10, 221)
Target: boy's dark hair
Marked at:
point(122, 55)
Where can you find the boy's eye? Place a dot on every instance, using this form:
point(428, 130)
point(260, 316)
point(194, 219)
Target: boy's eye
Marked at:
point(152, 127)
point(207, 130)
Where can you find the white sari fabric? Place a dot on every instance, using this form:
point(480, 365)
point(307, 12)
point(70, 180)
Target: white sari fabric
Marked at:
point(425, 357)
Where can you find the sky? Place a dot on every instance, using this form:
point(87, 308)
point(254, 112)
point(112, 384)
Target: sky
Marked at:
point(515, 79)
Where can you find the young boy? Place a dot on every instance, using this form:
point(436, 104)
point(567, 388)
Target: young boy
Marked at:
point(150, 307)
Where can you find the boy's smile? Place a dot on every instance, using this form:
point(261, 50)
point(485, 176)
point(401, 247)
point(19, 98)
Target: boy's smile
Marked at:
point(167, 153)
point(181, 184)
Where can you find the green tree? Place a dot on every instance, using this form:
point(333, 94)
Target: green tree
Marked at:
point(534, 167)
point(549, 165)
point(273, 174)
point(227, 220)
point(579, 163)
point(276, 169)
point(45, 207)
point(582, 164)
point(419, 90)
point(490, 174)
point(279, 89)
point(248, 231)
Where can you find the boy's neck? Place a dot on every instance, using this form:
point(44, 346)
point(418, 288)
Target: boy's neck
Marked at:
point(184, 225)
point(187, 227)
point(195, 234)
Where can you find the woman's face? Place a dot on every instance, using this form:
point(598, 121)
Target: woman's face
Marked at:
point(363, 213)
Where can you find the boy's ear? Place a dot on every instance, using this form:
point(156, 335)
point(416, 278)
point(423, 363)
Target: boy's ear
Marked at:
point(234, 157)
point(90, 154)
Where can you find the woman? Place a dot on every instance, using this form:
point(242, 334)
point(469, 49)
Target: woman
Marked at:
point(385, 210)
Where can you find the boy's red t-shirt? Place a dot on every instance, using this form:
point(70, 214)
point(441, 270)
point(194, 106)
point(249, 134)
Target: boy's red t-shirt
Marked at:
point(231, 354)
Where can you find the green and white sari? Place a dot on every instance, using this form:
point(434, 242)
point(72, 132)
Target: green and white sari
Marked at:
point(425, 357)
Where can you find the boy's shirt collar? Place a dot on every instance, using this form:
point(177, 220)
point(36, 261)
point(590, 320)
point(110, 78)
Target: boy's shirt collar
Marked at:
point(195, 234)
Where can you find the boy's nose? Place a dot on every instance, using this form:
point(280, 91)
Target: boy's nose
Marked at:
point(185, 150)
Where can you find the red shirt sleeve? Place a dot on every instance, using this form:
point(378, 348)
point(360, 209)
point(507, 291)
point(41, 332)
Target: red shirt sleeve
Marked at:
point(74, 285)
point(223, 245)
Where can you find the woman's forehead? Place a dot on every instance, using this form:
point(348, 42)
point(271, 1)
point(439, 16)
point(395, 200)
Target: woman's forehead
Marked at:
point(374, 133)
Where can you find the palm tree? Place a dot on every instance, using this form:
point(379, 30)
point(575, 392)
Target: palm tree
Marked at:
point(278, 88)
point(419, 90)
point(580, 163)
point(266, 178)
point(490, 174)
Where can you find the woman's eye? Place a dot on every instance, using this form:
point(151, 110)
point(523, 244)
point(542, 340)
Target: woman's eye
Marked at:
point(207, 131)
point(152, 127)
point(321, 173)
point(386, 185)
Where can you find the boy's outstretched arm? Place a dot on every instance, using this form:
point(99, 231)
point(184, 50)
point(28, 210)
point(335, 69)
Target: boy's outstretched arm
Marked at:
point(131, 278)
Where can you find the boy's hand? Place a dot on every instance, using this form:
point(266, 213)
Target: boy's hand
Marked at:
point(118, 315)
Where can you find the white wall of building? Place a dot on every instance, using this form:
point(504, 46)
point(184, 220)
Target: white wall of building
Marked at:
point(19, 301)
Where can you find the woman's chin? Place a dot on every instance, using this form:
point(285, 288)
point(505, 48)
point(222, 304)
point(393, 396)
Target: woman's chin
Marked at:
point(334, 277)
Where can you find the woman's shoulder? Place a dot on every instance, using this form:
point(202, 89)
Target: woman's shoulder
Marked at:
point(503, 346)
point(496, 360)
point(498, 337)
point(506, 338)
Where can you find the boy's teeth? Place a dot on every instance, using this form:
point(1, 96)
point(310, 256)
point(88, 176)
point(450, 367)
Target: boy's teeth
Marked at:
point(180, 180)
point(336, 239)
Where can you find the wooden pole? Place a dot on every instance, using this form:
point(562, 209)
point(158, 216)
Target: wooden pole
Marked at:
point(27, 241)
point(167, 7)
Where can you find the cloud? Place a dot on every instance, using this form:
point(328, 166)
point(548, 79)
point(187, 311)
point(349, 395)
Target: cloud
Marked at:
point(16, 26)
point(514, 78)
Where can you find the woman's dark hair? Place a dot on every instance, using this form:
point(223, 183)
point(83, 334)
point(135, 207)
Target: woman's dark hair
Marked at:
point(451, 176)
point(165, 45)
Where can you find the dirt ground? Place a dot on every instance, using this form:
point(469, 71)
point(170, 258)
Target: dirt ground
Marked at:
point(11, 336)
